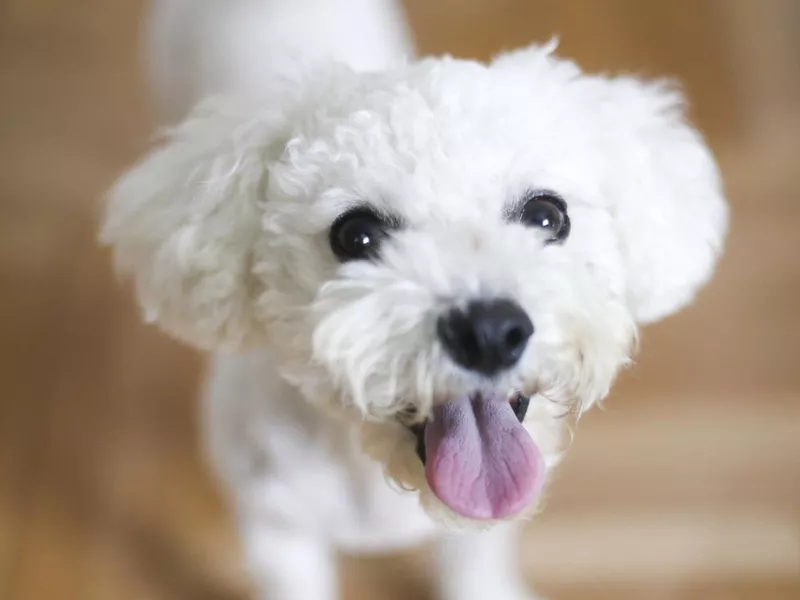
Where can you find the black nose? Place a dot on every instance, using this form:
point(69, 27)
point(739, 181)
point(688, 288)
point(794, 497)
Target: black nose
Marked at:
point(488, 337)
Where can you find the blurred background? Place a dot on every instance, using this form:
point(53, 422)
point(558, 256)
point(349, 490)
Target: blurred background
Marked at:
point(686, 486)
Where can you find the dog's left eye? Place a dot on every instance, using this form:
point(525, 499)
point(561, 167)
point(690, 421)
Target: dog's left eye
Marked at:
point(549, 212)
point(357, 235)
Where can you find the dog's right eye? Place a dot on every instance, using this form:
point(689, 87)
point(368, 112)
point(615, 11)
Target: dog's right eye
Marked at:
point(357, 235)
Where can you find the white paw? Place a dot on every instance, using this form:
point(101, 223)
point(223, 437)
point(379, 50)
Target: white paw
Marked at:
point(516, 592)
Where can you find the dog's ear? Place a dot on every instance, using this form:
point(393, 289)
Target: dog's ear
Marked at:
point(663, 187)
point(184, 222)
point(659, 179)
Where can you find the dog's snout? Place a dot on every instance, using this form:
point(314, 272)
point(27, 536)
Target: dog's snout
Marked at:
point(487, 337)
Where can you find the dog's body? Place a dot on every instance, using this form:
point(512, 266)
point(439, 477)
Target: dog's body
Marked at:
point(421, 267)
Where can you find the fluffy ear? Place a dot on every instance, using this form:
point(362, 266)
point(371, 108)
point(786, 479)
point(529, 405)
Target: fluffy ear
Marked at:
point(663, 187)
point(660, 180)
point(183, 224)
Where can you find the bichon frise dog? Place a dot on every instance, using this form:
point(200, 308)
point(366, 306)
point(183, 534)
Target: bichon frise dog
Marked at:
point(410, 273)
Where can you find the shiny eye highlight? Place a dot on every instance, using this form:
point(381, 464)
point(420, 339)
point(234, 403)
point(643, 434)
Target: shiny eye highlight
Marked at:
point(549, 212)
point(357, 235)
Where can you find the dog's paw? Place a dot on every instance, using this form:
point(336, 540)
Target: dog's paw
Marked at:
point(519, 592)
point(518, 595)
point(515, 596)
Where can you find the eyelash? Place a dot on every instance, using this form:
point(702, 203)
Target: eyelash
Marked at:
point(514, 209)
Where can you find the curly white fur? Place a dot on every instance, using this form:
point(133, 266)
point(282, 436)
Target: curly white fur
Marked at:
point(224, 231)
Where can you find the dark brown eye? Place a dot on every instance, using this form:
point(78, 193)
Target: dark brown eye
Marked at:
point(548, 212)
point(357, 235)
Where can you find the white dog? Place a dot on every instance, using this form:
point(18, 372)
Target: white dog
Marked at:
point(409, 273)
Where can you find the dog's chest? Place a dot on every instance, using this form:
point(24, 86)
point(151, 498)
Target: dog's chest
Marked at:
point(346, 495)
point(290, 462)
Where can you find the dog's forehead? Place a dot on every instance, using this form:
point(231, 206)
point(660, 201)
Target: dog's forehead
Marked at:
point(446, 134)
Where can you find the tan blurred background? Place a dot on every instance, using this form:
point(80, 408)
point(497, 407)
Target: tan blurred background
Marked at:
point(686, 486)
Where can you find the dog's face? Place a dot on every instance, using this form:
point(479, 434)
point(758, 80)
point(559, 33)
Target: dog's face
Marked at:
point(454, 255)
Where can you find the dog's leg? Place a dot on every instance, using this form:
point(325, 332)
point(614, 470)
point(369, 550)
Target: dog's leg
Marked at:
point(287, 565)
point(478, 566)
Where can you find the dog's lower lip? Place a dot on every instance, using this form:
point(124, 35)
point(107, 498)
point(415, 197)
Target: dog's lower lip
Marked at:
point(519, 403)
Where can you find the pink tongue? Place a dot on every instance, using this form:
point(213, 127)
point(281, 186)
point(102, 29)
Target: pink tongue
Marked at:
point(480, 461)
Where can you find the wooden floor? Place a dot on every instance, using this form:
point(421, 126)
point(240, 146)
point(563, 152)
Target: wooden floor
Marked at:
point(686, 486)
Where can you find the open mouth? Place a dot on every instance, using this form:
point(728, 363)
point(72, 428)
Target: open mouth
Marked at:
point(479, 459)
point(519, 404)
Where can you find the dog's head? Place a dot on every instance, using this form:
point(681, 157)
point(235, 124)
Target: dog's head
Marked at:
point(455, 255)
